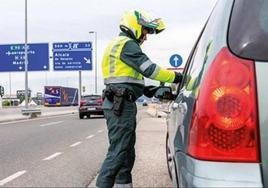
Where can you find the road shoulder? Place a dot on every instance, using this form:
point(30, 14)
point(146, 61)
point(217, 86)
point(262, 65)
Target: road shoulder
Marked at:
point(150, 169)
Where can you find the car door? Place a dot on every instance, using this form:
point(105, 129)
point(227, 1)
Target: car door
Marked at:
point(173, 117)
point(181, 108)
point(209, 42)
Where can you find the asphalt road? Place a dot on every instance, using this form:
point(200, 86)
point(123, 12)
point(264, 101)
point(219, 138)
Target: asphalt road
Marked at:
point(59, 151)
point(64, 151)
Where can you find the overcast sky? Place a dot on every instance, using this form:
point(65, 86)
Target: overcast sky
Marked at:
point(71, 20)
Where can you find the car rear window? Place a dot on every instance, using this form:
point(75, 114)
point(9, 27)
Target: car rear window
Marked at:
point(91, 97)
point(248, 31)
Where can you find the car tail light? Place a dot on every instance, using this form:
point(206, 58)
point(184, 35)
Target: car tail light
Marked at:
point(82, 102)
point(99, 101)
point(83, 108)
point(224, 125)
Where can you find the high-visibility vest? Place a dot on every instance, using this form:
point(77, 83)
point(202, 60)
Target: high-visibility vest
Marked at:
point(116, 71)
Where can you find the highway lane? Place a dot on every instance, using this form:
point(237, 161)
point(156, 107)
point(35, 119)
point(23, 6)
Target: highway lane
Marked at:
point(61, 151)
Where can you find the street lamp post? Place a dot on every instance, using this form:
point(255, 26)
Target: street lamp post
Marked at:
point(26, 59)
point(95, 47)
point(32, 112)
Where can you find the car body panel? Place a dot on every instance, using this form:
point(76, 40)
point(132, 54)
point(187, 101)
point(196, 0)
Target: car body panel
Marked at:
point(197, 173)
point(262, 88)
point(192, 172)
point(92, 110)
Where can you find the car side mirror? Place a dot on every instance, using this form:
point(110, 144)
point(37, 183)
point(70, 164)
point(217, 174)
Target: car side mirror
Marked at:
point(164, 93)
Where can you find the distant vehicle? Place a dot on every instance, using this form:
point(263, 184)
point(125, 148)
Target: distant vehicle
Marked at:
point(143, 100)
point(140, 100)
point(155, 100)
point(218, 121)
point(144, 103)
point(90, 105)
point(60, 96)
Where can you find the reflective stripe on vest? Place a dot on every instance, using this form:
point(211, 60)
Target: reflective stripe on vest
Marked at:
point(116, 71)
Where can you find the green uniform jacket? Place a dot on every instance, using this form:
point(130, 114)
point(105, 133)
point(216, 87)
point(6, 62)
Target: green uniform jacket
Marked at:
point(132, 55)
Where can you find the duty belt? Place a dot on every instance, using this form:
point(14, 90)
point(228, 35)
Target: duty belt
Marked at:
point(117, 96)
point(111, 91)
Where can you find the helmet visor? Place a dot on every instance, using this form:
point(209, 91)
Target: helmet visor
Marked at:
point(146, 22)
point(154, 26)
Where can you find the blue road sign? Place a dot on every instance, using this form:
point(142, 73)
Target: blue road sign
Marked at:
point(175, 60)
point(72, 56)
point(12, 57)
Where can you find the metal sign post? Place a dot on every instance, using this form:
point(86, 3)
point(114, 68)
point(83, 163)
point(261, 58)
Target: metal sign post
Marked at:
point(1, 95)
point(10, 89)
point(80, 87)
point(1, 102)
point(95, 57)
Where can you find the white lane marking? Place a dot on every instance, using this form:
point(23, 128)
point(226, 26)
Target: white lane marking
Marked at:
point(12, 177)
point(51, 123)
point(37, 119)
point(75, 144)
point(100, 131)
point(90, 136)
point(52, 156)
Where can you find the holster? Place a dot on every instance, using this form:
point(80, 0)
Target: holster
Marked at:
point(109, 94)
point(118, 103)
point(117, 97)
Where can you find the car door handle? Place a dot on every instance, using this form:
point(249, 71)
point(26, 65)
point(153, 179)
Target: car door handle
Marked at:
point(182, 108)
point(175, 106)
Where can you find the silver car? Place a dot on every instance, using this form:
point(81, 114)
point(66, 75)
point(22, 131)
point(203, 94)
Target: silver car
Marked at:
point(217, 133)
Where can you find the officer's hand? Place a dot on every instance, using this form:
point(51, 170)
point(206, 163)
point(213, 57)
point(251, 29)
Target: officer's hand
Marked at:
point(149, 91)
point(178, 77)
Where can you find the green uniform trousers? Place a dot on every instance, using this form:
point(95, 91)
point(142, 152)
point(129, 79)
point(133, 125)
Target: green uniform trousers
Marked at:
point(119, 161)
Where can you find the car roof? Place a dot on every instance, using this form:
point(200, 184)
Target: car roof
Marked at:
point(91, 95)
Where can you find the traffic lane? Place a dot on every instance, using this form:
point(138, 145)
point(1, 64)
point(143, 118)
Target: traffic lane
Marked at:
point(14, 129)
point(89, 174)
point(73, 168)
point(13, 132)
point(29, 142)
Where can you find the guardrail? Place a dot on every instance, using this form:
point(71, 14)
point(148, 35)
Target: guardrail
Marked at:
point(32, 112)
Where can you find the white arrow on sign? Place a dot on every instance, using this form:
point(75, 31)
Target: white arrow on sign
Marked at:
point(176, 59)
point(87, 60)
point(20, 67)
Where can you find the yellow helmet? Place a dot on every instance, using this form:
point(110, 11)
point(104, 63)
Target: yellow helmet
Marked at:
point(133, 22)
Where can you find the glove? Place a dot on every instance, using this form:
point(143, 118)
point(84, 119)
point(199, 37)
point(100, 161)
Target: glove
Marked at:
point(178, 77)
point(149, 91)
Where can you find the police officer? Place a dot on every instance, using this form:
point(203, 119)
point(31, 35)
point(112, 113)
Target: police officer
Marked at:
point(124, 67)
